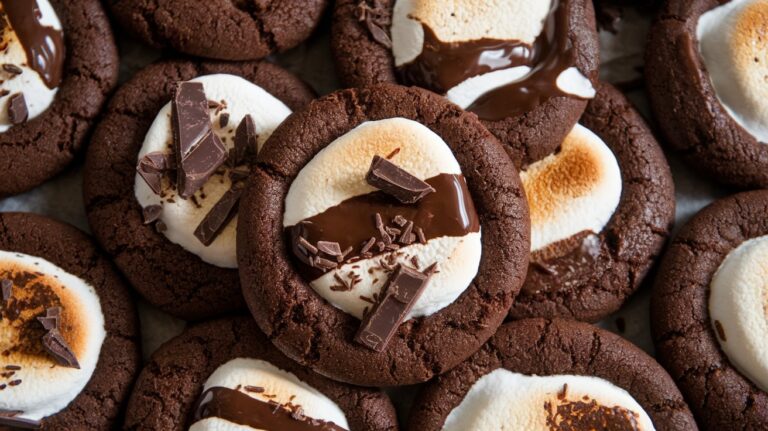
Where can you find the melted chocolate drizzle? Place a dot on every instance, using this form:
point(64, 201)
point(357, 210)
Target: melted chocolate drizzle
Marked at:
point(43, 45)
point(242, 409)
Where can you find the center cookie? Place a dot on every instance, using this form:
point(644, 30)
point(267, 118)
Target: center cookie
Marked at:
point(398, 248)
point(518, 65)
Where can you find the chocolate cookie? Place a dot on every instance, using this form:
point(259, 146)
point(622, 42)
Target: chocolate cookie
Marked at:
point(70, 341)
point(705, 70)
point(59, 64)
point(202, 376)
point(703, 296)
point(601, 210)
point(406, 259)
point(539, 374)
point(221, 29)
point(177, 251)
point(500, 61)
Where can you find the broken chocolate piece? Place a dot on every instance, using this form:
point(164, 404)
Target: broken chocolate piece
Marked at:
point(151, 168)
point(12, 69)
point(151, 213)
point(306, 245)
point(219, 216)
point(10, 418)
point(7, 288)
point(57, 347)
point(223, 120)
point(199, 152)
point(401, 292)
point(329, 248)
point(246, 140)
point(395, 181)
point(17, 109)
point(50, 321)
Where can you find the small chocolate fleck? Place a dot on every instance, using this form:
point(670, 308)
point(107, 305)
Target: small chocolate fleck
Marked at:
point(4, 92)
point(17, 109)
point(720, 330)
point(329, 248)
point(223, 120)
point(219, 216)
point(16, 382)
point(254, 389)
point(7, 288)
point(306, 245)
point(12, 69)
point(151, 213)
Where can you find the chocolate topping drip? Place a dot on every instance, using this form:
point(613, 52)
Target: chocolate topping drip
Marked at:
point(442, 66)
point(242, 409)
point(43, 45)
point(449, 211)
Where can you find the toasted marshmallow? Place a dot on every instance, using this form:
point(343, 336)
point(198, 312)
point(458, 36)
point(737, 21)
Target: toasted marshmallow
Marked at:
point(45, 387)
point(506, 400)
point(279, 386)
point(735, 53)
point(457, 21)
point(422, 153)
point(182, 216)
point(36, 94)
point(738, 307)
point(575, 190)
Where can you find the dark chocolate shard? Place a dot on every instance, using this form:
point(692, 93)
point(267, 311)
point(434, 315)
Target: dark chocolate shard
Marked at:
point(401, 292)
point(7, 289)
point(219, 216)
point(199, 152)
point(11, 419)
point(246, 140)
point(395, 181)
point(329, 248)
point(57, 347)
point(151, 213)
point(223, 120)
point(151, 168)
point(307, 246)
point(17, 109)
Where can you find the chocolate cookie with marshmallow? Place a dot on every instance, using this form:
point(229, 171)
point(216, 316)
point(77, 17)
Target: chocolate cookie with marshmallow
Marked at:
point(383, 236)
point(708, 312)
point(525, 68)
point(544, 375)
point(601, 208)
point(59, 63)
point(165, 171)
point(69, 333)
point(706, 71)
point(226, 375)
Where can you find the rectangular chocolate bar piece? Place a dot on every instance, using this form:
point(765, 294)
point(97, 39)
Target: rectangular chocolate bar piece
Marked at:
point(395, 181)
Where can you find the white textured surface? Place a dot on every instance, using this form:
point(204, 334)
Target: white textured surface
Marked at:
point(282, 387)
point(732, 41)
point(37, 95)
point(182, 216)
point(46, 388)
point(503, 400)
point(738, 300)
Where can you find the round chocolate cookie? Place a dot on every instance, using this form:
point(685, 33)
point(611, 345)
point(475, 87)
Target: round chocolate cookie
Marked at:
point(386, 287)
point(70, 344)
point(205, 375)
point(220, 29)
point(525, 68)
point(59, 64)
point(705, 68)
point(601, 210)
point(154, 238)
point(701, 301)
point(538, 374)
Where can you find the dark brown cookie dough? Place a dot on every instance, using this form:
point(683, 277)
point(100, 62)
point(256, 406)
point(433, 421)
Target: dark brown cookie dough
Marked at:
point(686, 107)
point(32, 152)
point(588, 286)
point(172, 381)
point(315, 333)
point(101, 402)
point(166, 275)
point(361, 61)
point(720, 397)
point(220, 29)
point(550, 347)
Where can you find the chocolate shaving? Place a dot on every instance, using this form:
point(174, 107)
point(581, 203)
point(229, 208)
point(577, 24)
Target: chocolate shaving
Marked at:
point(420, 234)
point(368, 245)
point(407, 238)
point(9, 418)
point(7, 288)
point(151, 213)
point(254, 389)
point(306, 245)
point(50, 321)
point(329, 248)
point(395, 181)
point(53, 342)
point(12, 69)
point(160, 227)
point(219, 216)
point(17, 109)
point(4, 92)
point(151, 168)
point(13, 367)
point(324, 264)
point(403, 289)
point(246, 140)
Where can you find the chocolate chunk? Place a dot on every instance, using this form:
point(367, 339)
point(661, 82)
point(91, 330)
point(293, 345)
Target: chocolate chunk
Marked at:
point(57, 347)
point(199, 152)
point(4, 92)
point(219, 216)
point(246, 140)
point(12, 69)
point(17, 109)
point(254, 389)
point(223, 120)
point(151, 168)
point(395, 181)
point(9, 418)
point(151, 213)
point(407, 238)
point(238, 174)
point(399, 220)
point(160, 227)
point(51, 319)
point(7, 288)
point(306, 246)
point(368, 245)
point(329, 248)
point(401, 292)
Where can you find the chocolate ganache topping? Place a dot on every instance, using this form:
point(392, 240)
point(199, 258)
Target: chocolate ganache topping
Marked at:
point(242, 409)
point(441, 66)
point(43, 45)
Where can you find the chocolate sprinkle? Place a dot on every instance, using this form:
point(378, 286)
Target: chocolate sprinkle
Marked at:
point(17, 109)
point(219, 216)
point(9, 418)
point(151, 213)
point(246, 140)
point(395, 181)
point(329, 248)
point(254, 389)
point(7, 288)
point(12, 69)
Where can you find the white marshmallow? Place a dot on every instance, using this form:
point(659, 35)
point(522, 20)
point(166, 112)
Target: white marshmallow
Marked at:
point(738, 301)
point(504, 400)
point(735, 53)
point(182, 216)
point(36, 94)
point(576, 189)
point(285, 388)
point(422, 153)
point(46, 387)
